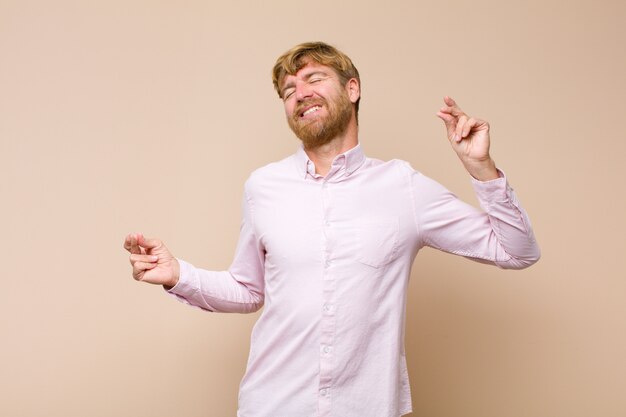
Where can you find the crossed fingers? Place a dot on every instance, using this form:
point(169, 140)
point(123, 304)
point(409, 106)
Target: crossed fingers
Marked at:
point(131, 243)
point(458, 123)
point(139, 259)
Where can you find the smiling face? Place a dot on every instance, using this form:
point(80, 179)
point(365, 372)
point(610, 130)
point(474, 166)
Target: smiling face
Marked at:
point(317, 106)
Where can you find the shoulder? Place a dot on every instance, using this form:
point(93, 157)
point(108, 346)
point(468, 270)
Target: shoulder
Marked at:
point(418, 181)
point(270, 173)
point(395, 166)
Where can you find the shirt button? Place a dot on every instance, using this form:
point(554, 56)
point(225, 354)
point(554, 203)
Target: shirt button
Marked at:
point(326, 349)
point(326, 307)
point(324, 392)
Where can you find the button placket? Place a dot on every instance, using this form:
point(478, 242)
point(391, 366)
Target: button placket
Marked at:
point(327, 309)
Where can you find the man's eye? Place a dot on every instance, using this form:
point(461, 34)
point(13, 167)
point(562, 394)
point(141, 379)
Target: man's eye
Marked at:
point(288, 94)
point(315, 80)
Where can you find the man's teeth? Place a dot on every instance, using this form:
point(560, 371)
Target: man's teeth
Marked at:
point(311, 110)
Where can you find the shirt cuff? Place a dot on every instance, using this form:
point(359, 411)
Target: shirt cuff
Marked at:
point(184, 287)
point(492, 191)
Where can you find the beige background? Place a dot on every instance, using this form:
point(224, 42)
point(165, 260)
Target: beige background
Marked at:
point(120, 116)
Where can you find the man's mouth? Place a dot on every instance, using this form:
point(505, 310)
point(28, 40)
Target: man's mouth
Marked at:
point(310, 110)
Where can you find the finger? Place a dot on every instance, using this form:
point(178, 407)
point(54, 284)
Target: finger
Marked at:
point(449, 101)
point(143, 258)
point(459, 127)
point(148, 243)
point(134, 246)
point(476, 125)
point(449, 121)
point(447, 118)
point(471, 122)
point(454, 111)
point(453, 106)
point(127, 242)
point(140, 267)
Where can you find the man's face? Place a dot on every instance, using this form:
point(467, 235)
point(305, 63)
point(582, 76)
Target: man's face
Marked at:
point(317, 106)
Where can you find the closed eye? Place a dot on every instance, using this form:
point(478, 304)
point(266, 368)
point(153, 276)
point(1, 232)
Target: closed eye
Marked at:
point(316, 79)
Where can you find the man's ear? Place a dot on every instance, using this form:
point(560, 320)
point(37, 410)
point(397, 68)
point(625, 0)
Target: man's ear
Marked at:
point(354, 89)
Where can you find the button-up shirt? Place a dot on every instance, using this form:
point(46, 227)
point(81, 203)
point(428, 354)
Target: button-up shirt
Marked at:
point(329, 258)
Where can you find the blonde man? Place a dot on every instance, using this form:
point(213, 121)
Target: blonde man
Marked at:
point(327, 241)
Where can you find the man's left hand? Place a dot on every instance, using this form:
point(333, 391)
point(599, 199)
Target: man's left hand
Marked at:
point(469, 138)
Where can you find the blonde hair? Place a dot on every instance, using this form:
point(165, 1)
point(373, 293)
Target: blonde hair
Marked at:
point(297, 57)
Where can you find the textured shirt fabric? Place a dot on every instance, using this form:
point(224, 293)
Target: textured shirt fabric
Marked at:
point(329, 258)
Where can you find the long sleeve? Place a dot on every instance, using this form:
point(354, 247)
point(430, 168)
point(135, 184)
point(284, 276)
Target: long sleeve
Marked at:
point(501, 234)
point(240, 289)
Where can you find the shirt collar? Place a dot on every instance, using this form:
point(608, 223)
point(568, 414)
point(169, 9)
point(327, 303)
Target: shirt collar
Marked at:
point(351, 160)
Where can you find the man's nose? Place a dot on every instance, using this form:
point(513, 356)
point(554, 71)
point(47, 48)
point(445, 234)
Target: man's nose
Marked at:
point(303, 91)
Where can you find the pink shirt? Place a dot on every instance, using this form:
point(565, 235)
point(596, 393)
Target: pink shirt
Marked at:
point(330, 258)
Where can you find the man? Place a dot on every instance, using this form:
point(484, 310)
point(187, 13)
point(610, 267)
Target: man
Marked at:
point(327, 241)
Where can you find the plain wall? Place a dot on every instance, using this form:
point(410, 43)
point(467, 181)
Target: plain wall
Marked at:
point(124, 116)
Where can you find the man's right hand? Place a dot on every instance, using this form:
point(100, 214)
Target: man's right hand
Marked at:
point(152, 262)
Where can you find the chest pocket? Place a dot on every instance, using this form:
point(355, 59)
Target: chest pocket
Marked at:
point(377, 240)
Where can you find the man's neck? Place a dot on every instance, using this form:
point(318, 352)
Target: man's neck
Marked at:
point(323, 156)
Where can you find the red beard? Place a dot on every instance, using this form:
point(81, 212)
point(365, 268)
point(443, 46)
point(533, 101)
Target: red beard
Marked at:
point(320, 130)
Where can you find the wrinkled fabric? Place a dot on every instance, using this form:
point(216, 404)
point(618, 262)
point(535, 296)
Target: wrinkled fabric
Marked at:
point(329, 258)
